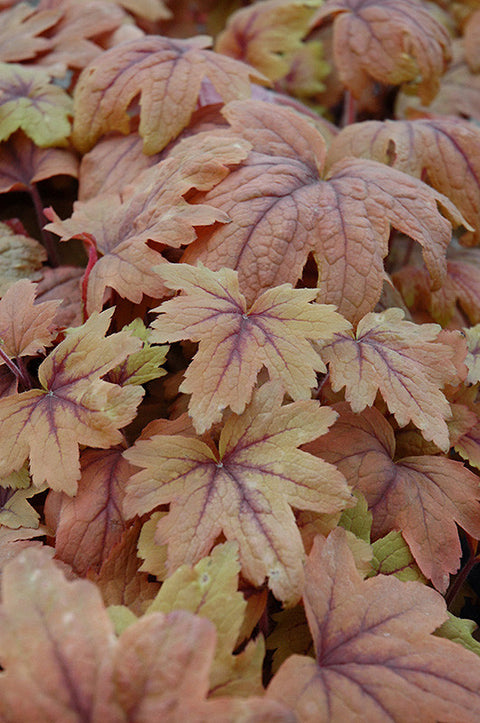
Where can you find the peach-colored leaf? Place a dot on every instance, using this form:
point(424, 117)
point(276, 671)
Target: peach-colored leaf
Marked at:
point(64, 283)
point(81, 33)
point(245, 489)
point(153, 208)
point(62, 663)
point(473, 355)
point(15, 511)
point(460, 290)
point(392, 41)
point(406, 362)
point(459, 93)
point(266, 35)
point(167, 74)
point(73, 406)
point(376, 659)
point(92, 522)
point(119, 579)
point(26, 328)
point(149, 9)
point(445, 150)
point(21, 29)
point(23, 163)
point(283, 206)
point(420, 496)
point(30, 101)
point(236, 341)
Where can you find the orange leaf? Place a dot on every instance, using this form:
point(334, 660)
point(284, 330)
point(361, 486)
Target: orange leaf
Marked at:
point(236, 342)
point(375, 657)
point(283, 206)
point(447, 150)
point(392, 41)
point(73, 406)
point(404, 361)
point(167, 74)
point(246, 489)
point(421, 496)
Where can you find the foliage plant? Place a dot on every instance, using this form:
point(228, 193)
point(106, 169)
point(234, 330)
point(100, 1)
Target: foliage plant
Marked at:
point(239, 361)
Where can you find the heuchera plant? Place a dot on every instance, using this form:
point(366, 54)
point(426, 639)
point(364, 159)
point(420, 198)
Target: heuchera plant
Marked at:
point(239, 361)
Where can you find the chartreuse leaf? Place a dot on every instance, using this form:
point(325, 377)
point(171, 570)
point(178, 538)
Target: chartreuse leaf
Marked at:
point(246, 488)
point(210, 589)
point(73, 406)
point(375, 656)
point(236, 341)
point(392, 556)
point(144, 364)
point(459, 630)
point(62, 663)
point(30, 101)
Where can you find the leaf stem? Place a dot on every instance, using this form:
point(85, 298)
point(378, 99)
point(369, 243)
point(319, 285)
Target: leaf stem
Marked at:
point(350, 107)
point(460, 579)
point(47, 238)
point(21, 374)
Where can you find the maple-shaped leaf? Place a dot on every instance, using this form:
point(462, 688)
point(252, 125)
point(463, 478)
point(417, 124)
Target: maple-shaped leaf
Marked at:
point(236, 341)
point(421, 496)
point(375, 656)
point(210, 589)
point(22, 163)
point(266, 35)
point(445, 150)
point(73, 406)
point(88, 525)
point(406, 362)
point(30, 101)
point(26, 328)
point(284, 206)
point(62, 662)
point(245, 489)
point(154, 208)
point(392, 41)
point(21, 28)
point(167, 74)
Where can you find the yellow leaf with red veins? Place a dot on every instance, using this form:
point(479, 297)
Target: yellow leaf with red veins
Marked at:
point(266, 35)
point(246, 488)
point(167, 74)
point(376, 659)
point(283, 206)
point(30, 101)
point(392, 41)
point(73, 406)
point(421, 496)
point(405, 362)
point(236, 341)
point(210, 589)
